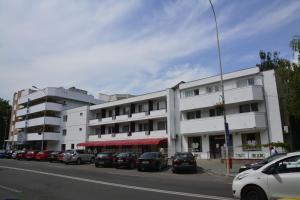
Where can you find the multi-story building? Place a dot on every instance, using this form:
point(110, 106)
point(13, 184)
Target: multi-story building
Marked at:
point(189, 117)
point(37, 115)
point(186, 117)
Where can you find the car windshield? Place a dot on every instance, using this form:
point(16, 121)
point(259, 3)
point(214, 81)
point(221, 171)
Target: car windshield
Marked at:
point(69, 151)
point(184, 155)
point(103, 155)
point(122, 155)
point(273, 157)
point(150, 155)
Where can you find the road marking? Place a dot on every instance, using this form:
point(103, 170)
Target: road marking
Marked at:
point(120, 185)
point(10, 189)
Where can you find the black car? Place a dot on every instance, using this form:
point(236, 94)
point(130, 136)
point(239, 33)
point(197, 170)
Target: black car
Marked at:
point(9, 153)
point(152, 161)
point(127, 159)
point(53, 156)
point(184, 162)
point(105, 159)
point(261, 163)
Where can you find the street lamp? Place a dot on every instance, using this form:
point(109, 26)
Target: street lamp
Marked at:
point(226, 128)
point(35, 87)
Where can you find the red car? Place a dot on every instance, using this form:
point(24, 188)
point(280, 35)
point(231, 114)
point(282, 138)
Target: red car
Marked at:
point(42, 155)
point(30, 155)
point(20, 155)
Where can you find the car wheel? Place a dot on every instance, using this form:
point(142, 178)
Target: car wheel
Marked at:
point(253, 193)
point(174, 171)
point(139, 169)
point(97, 165)
point(66, 163)
point(78, 161)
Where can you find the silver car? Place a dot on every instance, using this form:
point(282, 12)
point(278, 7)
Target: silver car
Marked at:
point(78, 157)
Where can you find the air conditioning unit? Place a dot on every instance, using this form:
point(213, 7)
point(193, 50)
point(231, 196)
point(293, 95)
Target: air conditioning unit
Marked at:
point(129, 134)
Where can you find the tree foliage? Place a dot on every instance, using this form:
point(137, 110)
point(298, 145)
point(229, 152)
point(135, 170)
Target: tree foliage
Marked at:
point(4, 118)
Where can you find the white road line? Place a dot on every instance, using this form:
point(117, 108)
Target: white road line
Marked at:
point(120, 185)
point(10, 189)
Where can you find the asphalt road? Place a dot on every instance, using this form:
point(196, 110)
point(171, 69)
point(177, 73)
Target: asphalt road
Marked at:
point(32, 180)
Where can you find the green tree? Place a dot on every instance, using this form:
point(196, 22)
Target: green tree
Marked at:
point(5, 109)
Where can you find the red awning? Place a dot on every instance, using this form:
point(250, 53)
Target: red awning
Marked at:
point(152, 141)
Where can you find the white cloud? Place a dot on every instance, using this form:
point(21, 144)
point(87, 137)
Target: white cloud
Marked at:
point(113, 46)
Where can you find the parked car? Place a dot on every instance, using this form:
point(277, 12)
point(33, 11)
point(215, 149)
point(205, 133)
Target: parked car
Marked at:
point(2, 153)
point(78, 157)
point(60, 156)
point(30, 155)
point(105, 159)
point(184, 162)
point(261, 163)
point(8, 153)
point(42, 155)
point(152, 161)
point(54, 156)
point(21, 155)
point(14, 154)
point(278, 179)
point(126, 159)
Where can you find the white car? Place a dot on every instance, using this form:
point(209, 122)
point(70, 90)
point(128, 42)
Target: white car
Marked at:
point(277, 179)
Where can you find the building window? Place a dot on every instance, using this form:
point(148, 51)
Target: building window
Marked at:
point(125, 129)
point(65, 118)
point(209, 89)
point(188, 93)
point(217, 88)
point(143, 127)
point(161, 125)
point(251, 142)
point(253, 107)
point(212, 112)
point(80, 129)
point(110, 113)
point(98, 115)
point(195, 144)
point(244, 108)
point(245, 82)
point(72, 146)
point(141, 108)
point(63, 147)
point(81, 114)
point(219, 111)
point(196, 92)
point(64, 132)
point(193, 115)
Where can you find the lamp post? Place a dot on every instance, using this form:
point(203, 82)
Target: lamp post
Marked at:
point(5, 126)
point(42, 146)
point(226, 128)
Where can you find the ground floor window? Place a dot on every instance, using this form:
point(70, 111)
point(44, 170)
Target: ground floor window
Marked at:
point(251, 142)
point(195, 144)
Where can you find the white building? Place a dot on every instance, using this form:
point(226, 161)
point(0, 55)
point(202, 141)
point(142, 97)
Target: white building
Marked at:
point(187, 117)
point(37, 115)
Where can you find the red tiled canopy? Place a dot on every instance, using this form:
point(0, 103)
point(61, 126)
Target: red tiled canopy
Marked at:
point(152, 141)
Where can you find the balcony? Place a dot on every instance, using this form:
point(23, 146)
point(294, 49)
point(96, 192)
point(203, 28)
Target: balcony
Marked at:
point(237, 122)
point(158, 113)
point(47, 136)
point(40, 107)
point(122, 117)
point(236, 95)
point(107, 119)
point(139, 115)
point(134, 135)
point(95, 121)
point(39, 121)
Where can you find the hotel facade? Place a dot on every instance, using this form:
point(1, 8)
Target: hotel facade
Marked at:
point(186, 117)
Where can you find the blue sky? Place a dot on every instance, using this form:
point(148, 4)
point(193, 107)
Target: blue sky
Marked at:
point(135, 46)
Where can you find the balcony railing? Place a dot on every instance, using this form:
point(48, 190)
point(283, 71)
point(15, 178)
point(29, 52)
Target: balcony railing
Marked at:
point(40, 107)
point(236, 95)
point(39, 121)
point(240, 121)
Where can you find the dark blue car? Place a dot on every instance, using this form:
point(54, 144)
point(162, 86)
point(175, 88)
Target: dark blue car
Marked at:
point(2, 153)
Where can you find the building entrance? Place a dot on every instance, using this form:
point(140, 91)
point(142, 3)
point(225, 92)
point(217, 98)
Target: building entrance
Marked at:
point(216, 142)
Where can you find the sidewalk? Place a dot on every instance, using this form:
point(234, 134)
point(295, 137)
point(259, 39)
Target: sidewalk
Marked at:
point(215, 166)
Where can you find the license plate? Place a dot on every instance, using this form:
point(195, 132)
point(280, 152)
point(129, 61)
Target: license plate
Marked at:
point(101, 162)
point(120, 161)
point(145, 162)
point(185, 164)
